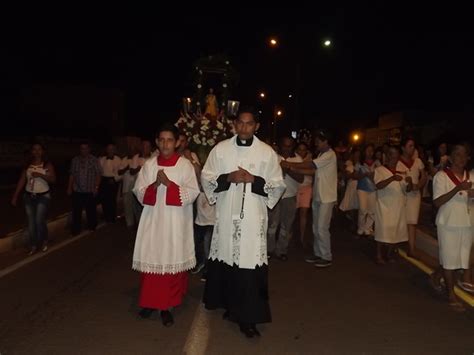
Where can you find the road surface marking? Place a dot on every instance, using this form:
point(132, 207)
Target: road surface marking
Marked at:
point(466, 297)
point(198, 336)
point(41, 254)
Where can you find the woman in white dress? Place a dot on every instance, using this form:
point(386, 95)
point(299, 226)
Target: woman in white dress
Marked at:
point(451, 190)
point(390, 215)
point(350, 202)
point(414, 170)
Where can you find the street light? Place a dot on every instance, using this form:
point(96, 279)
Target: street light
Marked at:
point(290, 96)
point(327, 43)
point(355, 137)
point(273, 42)
point(262, 95)
point(278, 113)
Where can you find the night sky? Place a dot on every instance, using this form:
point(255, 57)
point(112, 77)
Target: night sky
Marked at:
point(382, 60)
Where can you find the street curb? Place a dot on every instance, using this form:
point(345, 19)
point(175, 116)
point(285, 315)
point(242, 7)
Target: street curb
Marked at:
point(466, 297)
point(15, 240)
point(39, 255)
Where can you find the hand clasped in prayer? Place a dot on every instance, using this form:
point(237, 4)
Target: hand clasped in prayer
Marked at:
point(161, 178)
point(240, 176)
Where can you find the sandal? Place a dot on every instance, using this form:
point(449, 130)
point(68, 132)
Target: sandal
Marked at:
point(436, 284)
point(466, 286)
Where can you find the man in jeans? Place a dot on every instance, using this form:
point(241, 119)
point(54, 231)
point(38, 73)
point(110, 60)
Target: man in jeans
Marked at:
point(84, 180)
point(324, 168)
point(285, 211)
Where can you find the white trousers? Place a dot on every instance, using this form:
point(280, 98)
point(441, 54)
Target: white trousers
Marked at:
point(366, 211)
point(322, 214)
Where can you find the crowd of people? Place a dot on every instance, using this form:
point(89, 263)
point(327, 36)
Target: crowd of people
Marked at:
point(224, 218)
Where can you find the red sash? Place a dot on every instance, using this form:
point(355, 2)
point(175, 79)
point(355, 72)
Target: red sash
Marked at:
point(453, 177)
point(408, 164)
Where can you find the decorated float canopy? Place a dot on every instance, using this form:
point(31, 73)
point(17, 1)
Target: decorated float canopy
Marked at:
point(207, 115)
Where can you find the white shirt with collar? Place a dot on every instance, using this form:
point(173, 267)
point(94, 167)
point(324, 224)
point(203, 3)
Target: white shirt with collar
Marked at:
point(128, 179)
point(139, 160)
point(111, 167)
point(325, 177)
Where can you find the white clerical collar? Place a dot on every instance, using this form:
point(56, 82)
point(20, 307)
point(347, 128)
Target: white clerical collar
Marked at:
point(244, 142)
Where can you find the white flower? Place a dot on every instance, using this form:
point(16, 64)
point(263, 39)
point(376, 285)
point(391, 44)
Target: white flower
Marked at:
point(196, 139)
point(211, 142)
point(190, 124)
point(203, 142)
point(220, 125)
point(215, 132)
point(204, 128)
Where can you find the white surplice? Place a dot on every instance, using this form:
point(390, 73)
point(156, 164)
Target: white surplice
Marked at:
point(237, 240)
point(165, 239)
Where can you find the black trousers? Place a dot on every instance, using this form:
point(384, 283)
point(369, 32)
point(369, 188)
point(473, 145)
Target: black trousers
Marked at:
point(81, 201)
point(242, 292)
point(108, 197)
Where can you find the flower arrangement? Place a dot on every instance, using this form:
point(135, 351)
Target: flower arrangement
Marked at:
point(205, 130)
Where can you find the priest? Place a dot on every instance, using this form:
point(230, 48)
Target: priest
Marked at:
point(242, 175)
point(164, 249)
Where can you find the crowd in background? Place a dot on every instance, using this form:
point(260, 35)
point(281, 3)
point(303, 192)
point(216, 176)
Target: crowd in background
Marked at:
point(379, 189)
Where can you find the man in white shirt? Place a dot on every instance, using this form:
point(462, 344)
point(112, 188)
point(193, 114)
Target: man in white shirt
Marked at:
point(131, 166)
point(132, 213)
point(140, 158)
point(110, 164)
point(324, 168)
point(286, 207)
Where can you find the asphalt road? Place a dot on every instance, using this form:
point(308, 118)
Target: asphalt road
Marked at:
point(82, 299)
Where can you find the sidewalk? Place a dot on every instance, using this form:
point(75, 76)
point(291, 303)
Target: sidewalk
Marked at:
point(428, 249)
